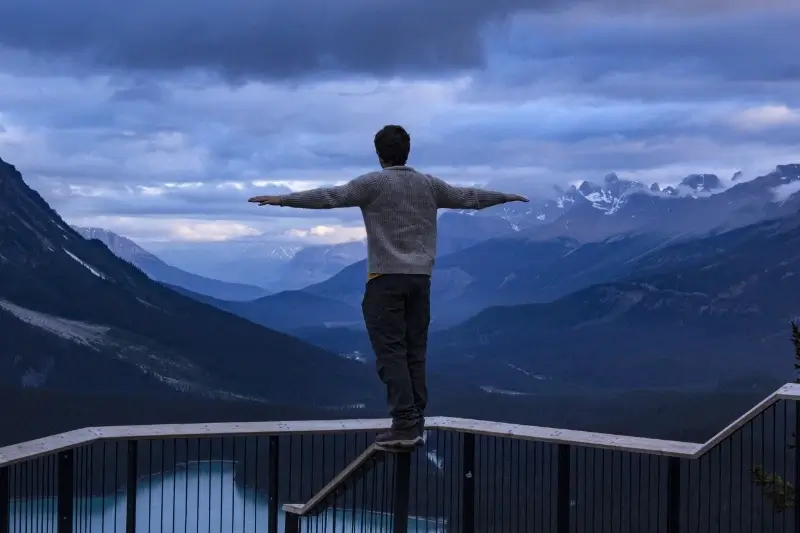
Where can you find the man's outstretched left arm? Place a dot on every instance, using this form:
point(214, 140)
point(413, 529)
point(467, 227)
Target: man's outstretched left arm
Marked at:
point(356, 193)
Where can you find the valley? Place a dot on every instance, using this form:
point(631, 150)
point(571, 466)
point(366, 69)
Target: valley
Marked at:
point(522, 315)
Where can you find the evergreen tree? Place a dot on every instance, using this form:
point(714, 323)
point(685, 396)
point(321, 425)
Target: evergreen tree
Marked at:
point(780, 492)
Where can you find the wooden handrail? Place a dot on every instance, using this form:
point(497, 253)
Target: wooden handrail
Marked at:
point(47, 445)
point(333, 485)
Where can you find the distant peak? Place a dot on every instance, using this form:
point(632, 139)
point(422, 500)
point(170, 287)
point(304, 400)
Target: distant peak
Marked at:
point(585, 188)
point(702, 182)
point(655, 187)
point(611, 177)
point(737, 175)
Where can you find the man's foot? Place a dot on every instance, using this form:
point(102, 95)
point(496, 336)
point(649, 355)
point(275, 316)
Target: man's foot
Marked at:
point(400, 438)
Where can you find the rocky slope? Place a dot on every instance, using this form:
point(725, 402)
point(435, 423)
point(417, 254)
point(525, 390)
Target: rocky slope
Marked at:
point(75, 317)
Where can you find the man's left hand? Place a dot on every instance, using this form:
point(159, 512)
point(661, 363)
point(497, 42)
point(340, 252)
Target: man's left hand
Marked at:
point(265, 200)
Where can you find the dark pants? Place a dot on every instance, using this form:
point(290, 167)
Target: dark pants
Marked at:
point(397, 311)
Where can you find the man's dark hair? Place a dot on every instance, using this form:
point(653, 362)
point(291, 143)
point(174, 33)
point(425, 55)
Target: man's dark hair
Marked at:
point(393, 143)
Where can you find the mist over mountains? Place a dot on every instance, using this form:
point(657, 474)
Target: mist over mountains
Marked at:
point(629, 289)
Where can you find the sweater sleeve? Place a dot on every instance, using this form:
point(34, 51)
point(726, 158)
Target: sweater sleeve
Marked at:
point(450, 197)
point(356, 193)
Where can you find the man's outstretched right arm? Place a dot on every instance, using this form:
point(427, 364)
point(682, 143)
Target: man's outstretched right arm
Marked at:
point(450, 197)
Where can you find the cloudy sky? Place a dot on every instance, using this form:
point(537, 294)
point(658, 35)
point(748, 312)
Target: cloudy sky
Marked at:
point(158, 120)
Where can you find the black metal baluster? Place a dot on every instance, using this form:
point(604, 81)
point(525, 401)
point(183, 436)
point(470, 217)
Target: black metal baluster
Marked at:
point(90, 488)
point(40, 491)
point(255, 486)
point(272, 497)
point(66, 490)
point(468, 481)
point(131, 484)
point(233, 484)
point(210, 469)
point(438, 457)
point(80, 501)
point(334, 470)
point(402, 477)
point(5, 501)
point(28, 496)
point(221, 480)
point(562, 501)
point(673, 495)
point(149, 484)
point(197, 480)
point(103, 489)
point(175, 484)
point(244, 499)
point(186, 485)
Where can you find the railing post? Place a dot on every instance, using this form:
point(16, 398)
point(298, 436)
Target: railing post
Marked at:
point(468, 487)
point(65, 490)
point(5, 502)
point(563, 493)
point(272, 497)
point(673, 495)
point(402, 488)
point(291, 523)
point(132, 486)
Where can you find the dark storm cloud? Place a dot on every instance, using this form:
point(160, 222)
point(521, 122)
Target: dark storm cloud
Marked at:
point(245, 39)
point(739, 46)
point(286, 39)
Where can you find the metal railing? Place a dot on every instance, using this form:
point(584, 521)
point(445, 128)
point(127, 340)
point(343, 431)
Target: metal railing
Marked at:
point(471, 476)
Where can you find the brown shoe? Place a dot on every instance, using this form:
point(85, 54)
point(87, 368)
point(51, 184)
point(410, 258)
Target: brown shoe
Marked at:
point(400, 438)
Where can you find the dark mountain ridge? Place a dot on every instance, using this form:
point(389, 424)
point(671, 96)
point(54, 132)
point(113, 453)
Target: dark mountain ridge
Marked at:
point(688, 315)
point(83, 319)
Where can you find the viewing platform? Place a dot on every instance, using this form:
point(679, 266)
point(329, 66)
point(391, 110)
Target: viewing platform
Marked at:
point(470, 476)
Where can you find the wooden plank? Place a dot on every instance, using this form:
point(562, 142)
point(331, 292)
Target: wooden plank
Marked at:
point(31, 449)
point(28, 450)
point(23, 451)
point(790, 391)
point(568, 436)
point(242, 429)
point(331, 487)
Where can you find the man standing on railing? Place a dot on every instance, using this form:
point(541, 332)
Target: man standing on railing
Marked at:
point(399, 206)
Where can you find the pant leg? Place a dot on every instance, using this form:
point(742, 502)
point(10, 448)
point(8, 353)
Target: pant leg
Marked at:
point(418, 318)
point(384, 316)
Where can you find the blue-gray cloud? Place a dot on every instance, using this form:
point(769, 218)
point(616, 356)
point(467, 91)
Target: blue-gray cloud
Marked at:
point(103, 105)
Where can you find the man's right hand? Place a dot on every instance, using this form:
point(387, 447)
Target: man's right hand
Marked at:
point(265, 200)
point(516, 198)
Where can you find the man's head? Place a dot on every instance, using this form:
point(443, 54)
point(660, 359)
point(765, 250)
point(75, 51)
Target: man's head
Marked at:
point(392, 144)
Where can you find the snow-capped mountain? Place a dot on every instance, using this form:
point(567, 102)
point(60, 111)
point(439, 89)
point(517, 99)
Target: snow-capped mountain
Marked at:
point(158, 270)
point(698, 204)
point(573, 211)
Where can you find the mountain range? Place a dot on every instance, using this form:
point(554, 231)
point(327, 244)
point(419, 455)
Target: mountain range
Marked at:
point(520, 319)
point(590, 211)
point(683, 316)
point(75, 318)
point(599, 231)
point(159, 270)
point(687, 315)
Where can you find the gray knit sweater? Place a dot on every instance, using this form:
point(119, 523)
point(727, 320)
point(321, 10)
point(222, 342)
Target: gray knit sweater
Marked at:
point(399, 207)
